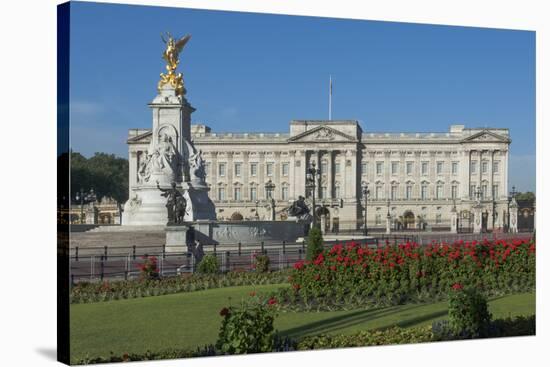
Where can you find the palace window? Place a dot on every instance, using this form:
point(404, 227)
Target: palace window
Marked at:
point(454, 168)
point(424, 192)
point(394, 168)
point(323, 193)
point(284, 193)
point(269, 169)
point(484, 167)
point(394, 192)
point(439, 168)
point(324, 167)
point(364, 168)
point(237, 193)
point(238, 169)
point(253, 193)
point(495, 167)
point(409, 168)
point(495, 191)
point(336, 167)
point(439, 192)
point(337, 192)
point(285, 169)
point(424, 168)
point(221, 169)
point(378, 192)
point(454, 191)
point(379, 167)
point(473, 168)
point(378, 219)
point(221, 193)
point(484, 191)
point(472, 191)
point(253, 169)
point(408, 192)
point(438, 218)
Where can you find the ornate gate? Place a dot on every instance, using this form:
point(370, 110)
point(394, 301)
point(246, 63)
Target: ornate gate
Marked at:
point(465, 222)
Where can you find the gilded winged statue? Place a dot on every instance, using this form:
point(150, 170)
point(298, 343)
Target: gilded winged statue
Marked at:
point(171, 55)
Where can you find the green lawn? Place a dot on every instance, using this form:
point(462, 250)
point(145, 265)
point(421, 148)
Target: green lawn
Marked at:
point(188, 320)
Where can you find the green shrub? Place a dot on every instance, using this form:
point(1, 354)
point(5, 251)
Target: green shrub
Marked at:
point(85, 292)
point(314, 243)
point(394, 335)
point(148, 270)
point(208, 265)
point(261, 263)
point(247, 328)
point(469, 314)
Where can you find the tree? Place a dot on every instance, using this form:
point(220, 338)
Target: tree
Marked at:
point(525, 196)
point(106, 173)
point(314, 243)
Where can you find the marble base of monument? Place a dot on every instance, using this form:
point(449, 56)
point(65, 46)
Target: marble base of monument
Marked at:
point(178, 236)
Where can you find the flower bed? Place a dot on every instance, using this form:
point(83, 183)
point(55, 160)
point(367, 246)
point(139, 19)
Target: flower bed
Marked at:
point(351, 275)
point(107, 291)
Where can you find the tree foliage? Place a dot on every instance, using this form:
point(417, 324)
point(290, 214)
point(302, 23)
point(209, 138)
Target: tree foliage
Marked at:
point(525, 196)
point(106, 173)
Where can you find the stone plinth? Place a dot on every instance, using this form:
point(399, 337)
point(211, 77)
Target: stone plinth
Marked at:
point(245, 232)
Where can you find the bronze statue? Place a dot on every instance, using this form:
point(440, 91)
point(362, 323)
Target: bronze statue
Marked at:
point(172, 194)
point(299, 208)
point(181, 206)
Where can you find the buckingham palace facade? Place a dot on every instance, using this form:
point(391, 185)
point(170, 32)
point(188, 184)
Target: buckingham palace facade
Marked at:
point(417, 179)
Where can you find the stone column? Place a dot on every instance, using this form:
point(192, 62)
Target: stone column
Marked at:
point(454, 219)
point(292, 175)
point(323, 223)
point(514, 216)
point(344, 192)
point(388, 224)
point(353, 173)
point(330, 175)
point(261, 177)
point(245, 173)
point(477, 218)
point(133, 167)
point(229, 177)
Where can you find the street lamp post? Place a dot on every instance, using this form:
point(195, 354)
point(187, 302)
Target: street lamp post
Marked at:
point(311, 179)
point(257, 215)
point(366, 193)
point(269, 188)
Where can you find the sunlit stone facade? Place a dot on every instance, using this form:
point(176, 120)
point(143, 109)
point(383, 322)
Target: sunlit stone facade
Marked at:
point(424, 175)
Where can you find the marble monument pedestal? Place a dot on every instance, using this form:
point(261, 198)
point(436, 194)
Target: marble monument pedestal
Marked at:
point(209, 232)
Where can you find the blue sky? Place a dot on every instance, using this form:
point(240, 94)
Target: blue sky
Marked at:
point(256, 72)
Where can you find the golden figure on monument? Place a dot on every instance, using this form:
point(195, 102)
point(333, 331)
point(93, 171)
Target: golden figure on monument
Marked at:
point(171, 55)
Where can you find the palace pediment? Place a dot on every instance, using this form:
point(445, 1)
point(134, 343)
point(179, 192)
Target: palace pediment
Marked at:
point(486, 136)
point(322, 134)
point(144, 137)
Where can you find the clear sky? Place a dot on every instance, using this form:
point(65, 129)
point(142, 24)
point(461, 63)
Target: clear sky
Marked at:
point(256, 72)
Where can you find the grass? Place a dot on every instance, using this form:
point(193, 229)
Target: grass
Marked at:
point(188, 320)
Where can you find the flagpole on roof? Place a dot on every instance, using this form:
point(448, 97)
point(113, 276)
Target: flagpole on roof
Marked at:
point(330, 98)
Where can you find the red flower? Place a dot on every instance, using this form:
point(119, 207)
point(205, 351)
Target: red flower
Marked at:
point(224, 311)
point(272, 301)
point(457, 286)
point(299, 265)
